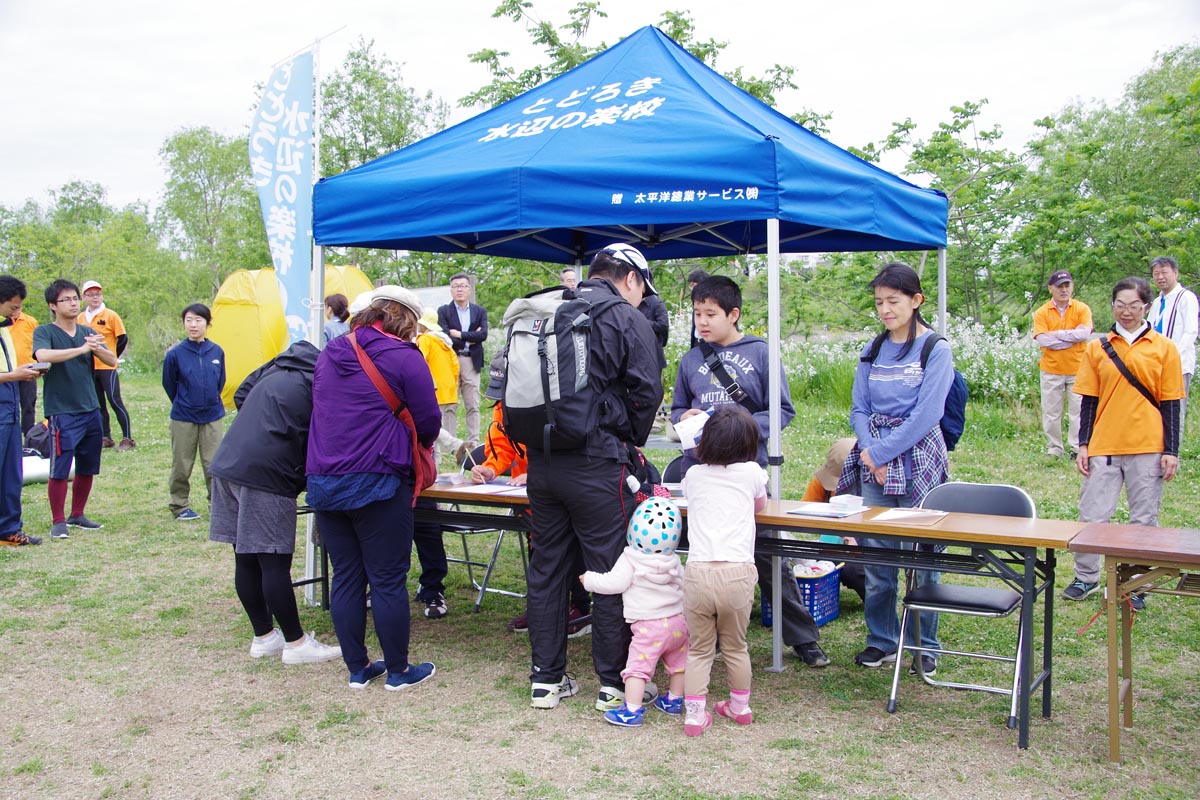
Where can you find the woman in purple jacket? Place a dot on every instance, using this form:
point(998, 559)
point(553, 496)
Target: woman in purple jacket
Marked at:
point(360, 481)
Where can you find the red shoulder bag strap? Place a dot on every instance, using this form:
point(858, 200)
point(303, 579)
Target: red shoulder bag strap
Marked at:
point(373, 373)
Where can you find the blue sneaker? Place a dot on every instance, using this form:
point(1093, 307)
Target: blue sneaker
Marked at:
point(360, 679)
point(416, 673)
point(624, 717)
point(672, 707)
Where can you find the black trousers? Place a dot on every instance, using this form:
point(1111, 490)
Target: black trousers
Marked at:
point(580, 505)
point(27, 391)
point(798, 625)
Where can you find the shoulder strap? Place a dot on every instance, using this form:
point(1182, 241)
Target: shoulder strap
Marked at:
point(373, 373)
point(927, 348)
point(735, 392)
point(1124, 370)
point(873, 351)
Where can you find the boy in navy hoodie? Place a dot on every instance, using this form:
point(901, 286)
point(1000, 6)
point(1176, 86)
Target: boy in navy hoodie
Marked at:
point(716, 310)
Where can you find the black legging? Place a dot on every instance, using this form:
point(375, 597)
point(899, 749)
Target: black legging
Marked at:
point(264, 585)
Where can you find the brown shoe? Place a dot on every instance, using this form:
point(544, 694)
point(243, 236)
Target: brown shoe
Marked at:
point(109, 442)
point(126, 444)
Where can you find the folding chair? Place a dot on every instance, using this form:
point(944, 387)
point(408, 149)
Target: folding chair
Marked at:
point(673, 472)
point(974, 601)
point(482, 586)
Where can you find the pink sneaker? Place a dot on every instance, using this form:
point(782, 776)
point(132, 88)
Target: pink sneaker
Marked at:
point(744, 718)
point(693, 710)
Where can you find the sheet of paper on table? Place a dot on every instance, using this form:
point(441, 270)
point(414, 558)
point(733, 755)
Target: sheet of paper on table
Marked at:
point(910, 516)
point(823, 510)
point(488, 488)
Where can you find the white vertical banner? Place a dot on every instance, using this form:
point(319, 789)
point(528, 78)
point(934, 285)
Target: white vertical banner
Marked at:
point(281, 161)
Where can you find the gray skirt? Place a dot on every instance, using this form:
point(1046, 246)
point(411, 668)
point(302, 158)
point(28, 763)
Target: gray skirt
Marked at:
point(252, 520)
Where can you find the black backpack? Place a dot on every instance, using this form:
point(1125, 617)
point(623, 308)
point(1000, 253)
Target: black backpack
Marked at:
point(954, 415)
point(549, 402)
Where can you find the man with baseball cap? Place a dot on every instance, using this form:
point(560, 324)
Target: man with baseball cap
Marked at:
point(1061, 328)
point(108, 387)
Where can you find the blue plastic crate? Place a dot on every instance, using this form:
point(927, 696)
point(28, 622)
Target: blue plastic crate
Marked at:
point(821, 596)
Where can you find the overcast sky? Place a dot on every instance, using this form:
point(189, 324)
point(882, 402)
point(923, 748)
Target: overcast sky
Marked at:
point(91, 90)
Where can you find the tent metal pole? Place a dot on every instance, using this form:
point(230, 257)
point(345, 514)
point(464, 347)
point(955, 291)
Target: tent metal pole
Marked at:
point(774, 442)
point(316, 310)
point(942, 290)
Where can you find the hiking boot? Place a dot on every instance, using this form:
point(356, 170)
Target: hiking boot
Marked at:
point(59, 531)
point(1137, 602)
point(435, 607)
point(812, 655)
point(578, 623)
point(668, 706)
point(725, 710)
point(187, 515)
point(360, 679)
point(270, 645)
point(108, 442)
point(519, 624)
point(873, 657)
point(83, 522)
point(310, 651)
point(126, 444)
point(928, 666)
point(1078, 590)
point(624, 717)
point(610, 697)
point(416, 673)
point(18, 539)
point(547, 695)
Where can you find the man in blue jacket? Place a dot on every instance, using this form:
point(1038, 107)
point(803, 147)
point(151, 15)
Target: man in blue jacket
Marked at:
point(12, 295)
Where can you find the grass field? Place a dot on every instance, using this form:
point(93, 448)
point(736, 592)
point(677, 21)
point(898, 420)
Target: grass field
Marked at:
point(126, 675)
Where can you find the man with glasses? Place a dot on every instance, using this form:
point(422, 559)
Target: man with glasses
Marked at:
point(1175, 313)
point(467, 325)
point(70, 402)
point(1061, 328)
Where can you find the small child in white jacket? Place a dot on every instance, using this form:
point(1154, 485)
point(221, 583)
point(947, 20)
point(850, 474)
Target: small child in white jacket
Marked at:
point(649, 577)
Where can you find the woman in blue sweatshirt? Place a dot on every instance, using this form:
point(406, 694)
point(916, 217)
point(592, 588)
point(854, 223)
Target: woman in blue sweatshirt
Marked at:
point(900, 454)
point(193, 376)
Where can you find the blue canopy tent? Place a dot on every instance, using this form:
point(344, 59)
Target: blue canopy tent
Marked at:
point(643, 144)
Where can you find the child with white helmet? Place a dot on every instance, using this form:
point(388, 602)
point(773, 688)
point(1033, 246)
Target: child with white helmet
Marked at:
point(723, 492)
point(649, 577)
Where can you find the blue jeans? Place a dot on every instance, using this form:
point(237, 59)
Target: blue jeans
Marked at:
point(879, 606)
point(10, 476)
point(372, 544)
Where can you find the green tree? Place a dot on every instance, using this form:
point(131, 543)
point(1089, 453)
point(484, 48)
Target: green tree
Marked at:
point(79, 236)
point(210, 210)
point(367, 111)
point(1115, 186)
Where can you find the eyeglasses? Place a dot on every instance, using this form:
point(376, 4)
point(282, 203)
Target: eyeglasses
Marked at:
point(1161, 271)
point(1118, 306)
point(74, 299)
point(460, 286)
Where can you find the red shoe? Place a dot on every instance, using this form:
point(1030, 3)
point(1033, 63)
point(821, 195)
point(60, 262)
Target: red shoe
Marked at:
point(578, 623)
point(744, 718)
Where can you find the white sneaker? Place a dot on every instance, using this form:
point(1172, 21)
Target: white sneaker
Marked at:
point(270, 645)
point(547, 695)
point(611, 698)
point(310, 651)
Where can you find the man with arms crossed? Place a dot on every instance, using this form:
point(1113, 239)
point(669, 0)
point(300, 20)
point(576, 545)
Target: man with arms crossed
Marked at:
point(1061, 328)
point(69, 396)
point(12, 295)
point(1175, 314)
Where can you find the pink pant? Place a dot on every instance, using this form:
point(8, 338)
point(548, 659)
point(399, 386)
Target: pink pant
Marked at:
point(654, 639)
